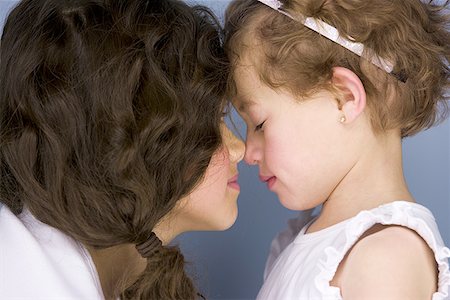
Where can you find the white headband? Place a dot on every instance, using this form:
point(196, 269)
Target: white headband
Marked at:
point(332, 33)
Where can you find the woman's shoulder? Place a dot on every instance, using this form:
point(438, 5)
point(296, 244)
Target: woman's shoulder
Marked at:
point(42, 262)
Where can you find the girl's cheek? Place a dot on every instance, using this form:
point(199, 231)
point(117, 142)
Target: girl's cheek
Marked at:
point(273, 145)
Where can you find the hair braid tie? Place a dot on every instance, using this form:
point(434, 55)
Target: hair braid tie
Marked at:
point(150, 246)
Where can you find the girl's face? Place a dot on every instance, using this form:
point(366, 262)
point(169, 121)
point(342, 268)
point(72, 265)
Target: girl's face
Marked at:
point(299, 146)
point(213, 203)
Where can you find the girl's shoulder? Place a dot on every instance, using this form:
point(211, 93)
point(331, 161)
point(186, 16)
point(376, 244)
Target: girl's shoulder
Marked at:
point(394, 248)
point(389, 245)
point(388, 261)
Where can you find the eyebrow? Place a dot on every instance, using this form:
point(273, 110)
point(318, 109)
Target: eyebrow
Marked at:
point(244, 103)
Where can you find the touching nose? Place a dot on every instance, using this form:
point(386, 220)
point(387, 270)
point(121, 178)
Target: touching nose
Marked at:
point(252, 152)
point(236, 147)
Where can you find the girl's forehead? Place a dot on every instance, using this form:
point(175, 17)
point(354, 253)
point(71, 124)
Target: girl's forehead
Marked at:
point(243, 104)
point(246, 79)
point(249, 88)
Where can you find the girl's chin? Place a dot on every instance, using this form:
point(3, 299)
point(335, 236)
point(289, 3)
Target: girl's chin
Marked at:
point(294, 204)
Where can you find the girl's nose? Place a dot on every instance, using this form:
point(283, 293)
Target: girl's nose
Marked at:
point(252, 153)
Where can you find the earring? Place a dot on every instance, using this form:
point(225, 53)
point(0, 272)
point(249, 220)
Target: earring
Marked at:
point(343, 119)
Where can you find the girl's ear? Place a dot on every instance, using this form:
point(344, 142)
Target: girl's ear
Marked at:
point(353, 100)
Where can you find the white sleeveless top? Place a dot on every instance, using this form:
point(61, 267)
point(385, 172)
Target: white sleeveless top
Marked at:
point(307, 265)
point(39, 262)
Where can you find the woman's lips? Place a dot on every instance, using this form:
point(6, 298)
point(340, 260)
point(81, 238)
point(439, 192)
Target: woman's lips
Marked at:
point(233, 182)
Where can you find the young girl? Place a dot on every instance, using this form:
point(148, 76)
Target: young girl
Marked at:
point(111, 144)
point(328, 89)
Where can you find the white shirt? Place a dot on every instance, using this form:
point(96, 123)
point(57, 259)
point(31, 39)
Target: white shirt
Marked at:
point(307, 265)
point(40, 262)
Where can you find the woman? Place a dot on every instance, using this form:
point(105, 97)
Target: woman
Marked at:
point(112, 143)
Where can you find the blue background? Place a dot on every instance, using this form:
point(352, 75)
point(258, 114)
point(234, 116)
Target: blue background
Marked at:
point(230, 264)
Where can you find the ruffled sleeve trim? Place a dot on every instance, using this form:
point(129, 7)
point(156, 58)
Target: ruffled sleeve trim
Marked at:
point(407, 214)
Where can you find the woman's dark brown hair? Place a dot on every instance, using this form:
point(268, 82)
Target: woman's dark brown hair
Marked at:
point(413, 34)
point(109, 114)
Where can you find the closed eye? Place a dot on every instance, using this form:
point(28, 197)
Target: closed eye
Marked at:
point(259, 127)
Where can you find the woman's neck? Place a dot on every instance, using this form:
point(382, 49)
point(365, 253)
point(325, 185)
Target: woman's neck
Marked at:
point(117, 268)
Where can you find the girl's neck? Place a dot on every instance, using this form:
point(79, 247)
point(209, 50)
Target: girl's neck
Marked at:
point(375, 179)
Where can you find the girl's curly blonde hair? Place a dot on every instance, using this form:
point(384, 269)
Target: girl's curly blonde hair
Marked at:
point(412, 34)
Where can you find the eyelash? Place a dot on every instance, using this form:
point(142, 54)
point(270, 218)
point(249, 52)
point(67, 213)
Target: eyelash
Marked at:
point(259, 127)
point(225, 114)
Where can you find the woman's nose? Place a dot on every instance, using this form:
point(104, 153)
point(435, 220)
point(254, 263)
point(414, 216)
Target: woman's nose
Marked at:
point(236, 147)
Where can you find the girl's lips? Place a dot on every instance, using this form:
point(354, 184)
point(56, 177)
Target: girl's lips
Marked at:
point(264, 178)
point(269, 180)
point(233, 182)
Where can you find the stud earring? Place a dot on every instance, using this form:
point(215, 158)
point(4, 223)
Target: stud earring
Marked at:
point(343, 119)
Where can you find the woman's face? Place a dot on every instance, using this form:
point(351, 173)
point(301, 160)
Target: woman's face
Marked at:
point(212, 205)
